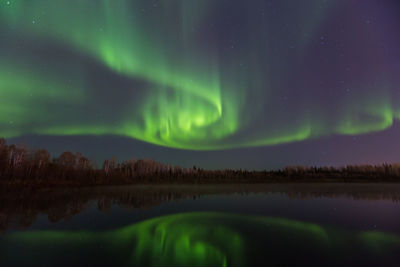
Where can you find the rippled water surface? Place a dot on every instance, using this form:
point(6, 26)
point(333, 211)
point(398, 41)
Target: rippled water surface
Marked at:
point(202, 225)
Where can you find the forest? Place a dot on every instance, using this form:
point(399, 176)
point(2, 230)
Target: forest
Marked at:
point(22, 166)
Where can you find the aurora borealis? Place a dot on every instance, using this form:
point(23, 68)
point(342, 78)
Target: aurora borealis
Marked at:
point(203, 239)
point(200, 75)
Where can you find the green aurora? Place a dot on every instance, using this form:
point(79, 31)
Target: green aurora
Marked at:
point(184, 85)
point(201, 239)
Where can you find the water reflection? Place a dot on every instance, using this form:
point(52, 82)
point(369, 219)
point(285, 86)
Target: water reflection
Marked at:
point(204, 239)
point(21, 207)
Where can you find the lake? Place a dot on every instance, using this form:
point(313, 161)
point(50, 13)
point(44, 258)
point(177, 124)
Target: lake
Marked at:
point(202, 225)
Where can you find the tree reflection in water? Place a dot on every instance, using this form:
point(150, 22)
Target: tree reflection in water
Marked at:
point(19, 207)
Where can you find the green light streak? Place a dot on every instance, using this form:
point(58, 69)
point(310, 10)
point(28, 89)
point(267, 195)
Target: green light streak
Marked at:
point(198, 239)
point(381, 243)
point(194, 94)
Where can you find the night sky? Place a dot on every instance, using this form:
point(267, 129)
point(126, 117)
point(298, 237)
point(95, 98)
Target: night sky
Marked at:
point(213, 83)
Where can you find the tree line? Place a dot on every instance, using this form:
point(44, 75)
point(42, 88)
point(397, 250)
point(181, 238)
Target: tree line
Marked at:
point(20, 165)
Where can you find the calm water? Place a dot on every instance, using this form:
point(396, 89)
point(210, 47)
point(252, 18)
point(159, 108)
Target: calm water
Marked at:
point(204, 225)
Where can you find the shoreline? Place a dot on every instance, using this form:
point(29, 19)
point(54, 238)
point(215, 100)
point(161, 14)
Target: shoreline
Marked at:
point(296, 181)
